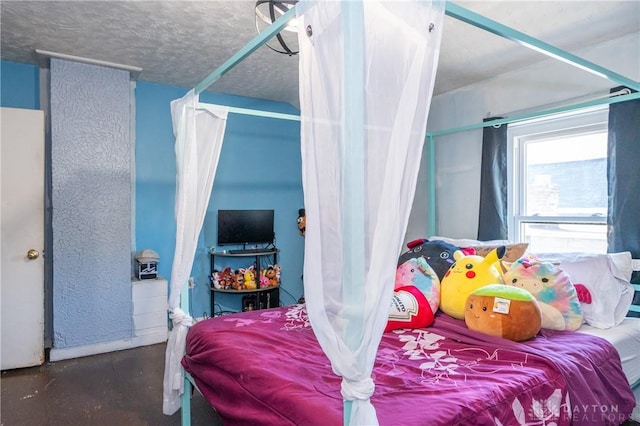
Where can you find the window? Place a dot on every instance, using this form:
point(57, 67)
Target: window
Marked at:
point(558, 198)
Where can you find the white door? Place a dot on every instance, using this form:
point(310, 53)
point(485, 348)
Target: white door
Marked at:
point(22, 235)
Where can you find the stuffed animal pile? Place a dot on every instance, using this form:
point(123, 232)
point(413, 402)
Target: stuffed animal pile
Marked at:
point(513, 304)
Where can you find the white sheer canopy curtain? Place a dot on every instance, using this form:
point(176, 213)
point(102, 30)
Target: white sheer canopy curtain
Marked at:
point(199, 131)
point(367, 70)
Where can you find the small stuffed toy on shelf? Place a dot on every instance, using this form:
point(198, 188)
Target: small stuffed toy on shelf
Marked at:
point(469, 273)
point(503, 311)
point(552, 288)
point(264, 281)
point(273, 275)
point(238, 280)
point(249, 278)
point(223, 279)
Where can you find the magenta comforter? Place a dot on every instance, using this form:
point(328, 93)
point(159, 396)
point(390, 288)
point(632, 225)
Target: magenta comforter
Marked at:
point(266, 368)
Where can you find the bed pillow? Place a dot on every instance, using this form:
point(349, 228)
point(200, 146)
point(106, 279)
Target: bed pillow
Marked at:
point(514, 250)
point(611, 292)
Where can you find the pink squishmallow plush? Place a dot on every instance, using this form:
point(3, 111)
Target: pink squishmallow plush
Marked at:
point(552, 288)
point(416, 295)
point(417, 272)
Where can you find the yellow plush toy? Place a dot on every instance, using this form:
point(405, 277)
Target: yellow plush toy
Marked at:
point(467, 274)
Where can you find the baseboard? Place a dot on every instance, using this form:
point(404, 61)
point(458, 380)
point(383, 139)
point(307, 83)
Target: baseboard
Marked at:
point(105, 347)
point(87, 350)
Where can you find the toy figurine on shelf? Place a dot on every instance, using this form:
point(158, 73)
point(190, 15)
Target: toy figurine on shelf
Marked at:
point(249, 278)
point(278, 268)
point(222, 280)
point(215, 280)
point(264, 280)
point(272, 275)
point(238, 280)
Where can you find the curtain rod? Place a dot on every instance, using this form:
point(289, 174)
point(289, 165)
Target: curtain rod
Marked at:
point(552, 111)
point(261, 113)
point(566, 102)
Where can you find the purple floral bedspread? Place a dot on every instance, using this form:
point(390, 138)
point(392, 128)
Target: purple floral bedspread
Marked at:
point(266, 368)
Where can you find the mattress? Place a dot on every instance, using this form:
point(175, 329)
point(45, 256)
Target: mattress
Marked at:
point(626, 339)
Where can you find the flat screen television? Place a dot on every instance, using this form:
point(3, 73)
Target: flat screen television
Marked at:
point(240, 227)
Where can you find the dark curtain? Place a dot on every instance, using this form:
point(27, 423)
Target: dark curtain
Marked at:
point(623, 174)
point(493, 184)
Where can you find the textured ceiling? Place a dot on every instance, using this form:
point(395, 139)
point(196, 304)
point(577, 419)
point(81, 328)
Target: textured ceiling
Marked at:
point(181, 42)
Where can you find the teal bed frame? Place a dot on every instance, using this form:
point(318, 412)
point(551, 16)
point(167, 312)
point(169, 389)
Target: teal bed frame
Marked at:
point(356, 215)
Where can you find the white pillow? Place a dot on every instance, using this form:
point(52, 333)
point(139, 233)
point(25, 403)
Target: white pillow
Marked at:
point(624, 262)
point(611, 292)
point(463, 242)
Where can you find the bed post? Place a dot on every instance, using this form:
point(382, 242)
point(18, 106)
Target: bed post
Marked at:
point(431, 185)
point(185, 399)
point(353, 211)
point(185, 411)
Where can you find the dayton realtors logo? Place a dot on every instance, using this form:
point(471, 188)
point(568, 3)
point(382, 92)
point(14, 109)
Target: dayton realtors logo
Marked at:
point(597, 413)
point(553, 409)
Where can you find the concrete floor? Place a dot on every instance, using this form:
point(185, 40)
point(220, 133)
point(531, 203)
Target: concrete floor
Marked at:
point(119, 388)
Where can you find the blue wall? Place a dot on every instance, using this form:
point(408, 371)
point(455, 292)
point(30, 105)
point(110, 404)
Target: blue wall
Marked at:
point(260, 168)
point(19, 85)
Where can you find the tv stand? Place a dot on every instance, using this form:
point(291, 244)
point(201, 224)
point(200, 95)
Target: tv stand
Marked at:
point(253, 299)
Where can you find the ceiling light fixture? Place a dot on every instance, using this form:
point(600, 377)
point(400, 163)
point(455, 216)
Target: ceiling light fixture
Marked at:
point(267, 12)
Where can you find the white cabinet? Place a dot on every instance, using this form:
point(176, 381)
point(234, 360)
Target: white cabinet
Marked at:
point(150, 323)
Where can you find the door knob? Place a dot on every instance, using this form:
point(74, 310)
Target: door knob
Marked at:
point(33, 254)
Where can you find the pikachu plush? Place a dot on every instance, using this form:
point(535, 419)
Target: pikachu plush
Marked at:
point(467, 274)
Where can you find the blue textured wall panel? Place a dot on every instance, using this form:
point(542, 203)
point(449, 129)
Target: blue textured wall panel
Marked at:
point(91, 198)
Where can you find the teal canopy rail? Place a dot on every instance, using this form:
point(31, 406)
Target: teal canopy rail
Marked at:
point(452, 10)
point(247, 50)
point(539, 114)
point(523, 39)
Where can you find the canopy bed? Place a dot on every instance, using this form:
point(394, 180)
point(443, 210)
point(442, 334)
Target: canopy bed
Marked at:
point(362, 127)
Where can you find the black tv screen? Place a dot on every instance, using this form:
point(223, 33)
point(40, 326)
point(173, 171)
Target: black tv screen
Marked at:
point(245, 227)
